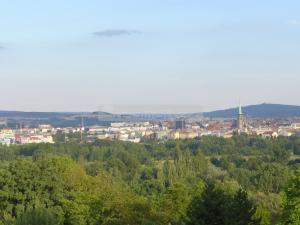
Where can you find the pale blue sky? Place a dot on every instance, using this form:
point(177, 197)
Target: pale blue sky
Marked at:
point(76, 55)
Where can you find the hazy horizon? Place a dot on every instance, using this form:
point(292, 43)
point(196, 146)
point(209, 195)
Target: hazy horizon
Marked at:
point(149, 109)
point(67, 56)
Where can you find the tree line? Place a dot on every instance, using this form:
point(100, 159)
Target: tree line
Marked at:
point(207, 181)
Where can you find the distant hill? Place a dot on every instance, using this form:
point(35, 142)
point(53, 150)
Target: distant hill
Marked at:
point(33, 119)
point(63, 119)
point(11, 114)
point(258, 111)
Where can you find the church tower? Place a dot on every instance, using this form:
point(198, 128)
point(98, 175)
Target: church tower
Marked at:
point(240, 119)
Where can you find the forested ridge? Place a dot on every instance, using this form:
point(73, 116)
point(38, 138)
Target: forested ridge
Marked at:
point(208, 181)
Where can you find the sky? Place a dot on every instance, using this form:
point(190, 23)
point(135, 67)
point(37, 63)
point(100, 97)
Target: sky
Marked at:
point(89, 55)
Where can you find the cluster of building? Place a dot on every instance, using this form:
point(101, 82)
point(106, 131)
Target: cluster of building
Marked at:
point(188, 129)
point(42, 134)
point(164, 130)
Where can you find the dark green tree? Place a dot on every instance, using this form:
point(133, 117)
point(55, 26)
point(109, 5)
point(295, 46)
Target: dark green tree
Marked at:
point(40, 216)
point(242, 210)
point(215, 207)
point(291, 213)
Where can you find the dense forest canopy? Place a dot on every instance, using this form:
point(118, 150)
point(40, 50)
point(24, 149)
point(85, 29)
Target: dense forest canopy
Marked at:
point(237, 181)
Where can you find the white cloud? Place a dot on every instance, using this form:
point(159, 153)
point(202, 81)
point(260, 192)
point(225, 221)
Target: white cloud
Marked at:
point(115, 32)
point(294, 22)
